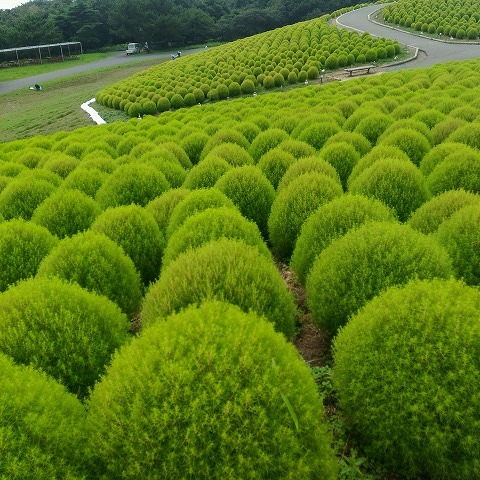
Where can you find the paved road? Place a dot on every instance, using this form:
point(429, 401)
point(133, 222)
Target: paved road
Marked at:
point(116, 59)
point(436, 52)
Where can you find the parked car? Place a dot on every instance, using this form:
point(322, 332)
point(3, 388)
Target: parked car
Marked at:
point(133, 48)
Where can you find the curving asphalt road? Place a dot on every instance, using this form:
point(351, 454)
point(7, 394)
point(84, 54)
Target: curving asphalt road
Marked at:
point(436, 52)
point(116, 59)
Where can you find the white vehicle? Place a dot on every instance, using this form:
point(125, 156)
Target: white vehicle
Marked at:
point(133, 48)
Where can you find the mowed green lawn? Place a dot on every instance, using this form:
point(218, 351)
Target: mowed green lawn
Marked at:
point(26, 113)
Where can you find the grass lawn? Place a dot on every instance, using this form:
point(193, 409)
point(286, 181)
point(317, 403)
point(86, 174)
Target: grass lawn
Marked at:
point(14, 73)
point(26, 113)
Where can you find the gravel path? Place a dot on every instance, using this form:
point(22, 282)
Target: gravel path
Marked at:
point(434, 51)
point(116, 59)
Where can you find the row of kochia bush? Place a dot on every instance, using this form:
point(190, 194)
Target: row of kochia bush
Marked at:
point(282, 57)
point(369, 190)
point(452, 18)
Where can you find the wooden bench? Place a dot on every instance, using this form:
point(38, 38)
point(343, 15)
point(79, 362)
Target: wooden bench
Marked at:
point(365, 68)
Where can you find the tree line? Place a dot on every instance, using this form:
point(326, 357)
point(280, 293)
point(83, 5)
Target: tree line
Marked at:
point(162, 23)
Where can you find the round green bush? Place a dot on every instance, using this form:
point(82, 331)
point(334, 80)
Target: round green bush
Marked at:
point(86, 180)
point(177, 101)
point(226, 270)
point(66, 212)
point(135, 230)
point(240, 380)
point(412, 142)
point(20, 198)
point(97, 264)
point(195, 201)
point(431, 214)
point(163, 104)
point(458, 170)
point(274, 164)
point(460, 235)
point(404, 369)
point(247, 87)
point(212, 224)
point(358, 266)
point(443, 129)
point(162, 207)
point(372, 126)
point(228, 135)
point(71, 332)
point(307, 165)
point(294, 204)
point(266, 141)
point(249, 190)
point(23, 245)
point(439, 153)
point(131, 183)
point(61, 164)
point(356, 140)
point(397, 183)
point(174, 173)
point(234, 154)
point(41, 426)
point(297, 148)
point(318, 133)
point(329, 222)
point(206, 173)
point(343, 157)
point(193, 145)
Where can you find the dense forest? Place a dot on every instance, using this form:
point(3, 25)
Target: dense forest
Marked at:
point(162, 23)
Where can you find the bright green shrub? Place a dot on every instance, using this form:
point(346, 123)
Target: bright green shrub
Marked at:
point(468, 134)
point(131, 183)
point(193, 202)
point(40, 174)
point(174, 173)
point(356, 140)
point(224, 136)
point(60, 164)
point(163, 104)
point(161, 207)
point(397, 183)
point(297, 148)
point(177, 101)
point(458, 170)
point(404, 369)
point(212, 224)
point(430, 117)
point(193, 145)
point(234, 89)
point(372, 126)
point(329, 222)
point(293, 206)
point(413, 143)
point(318, 133)
point(266, 141)
point(438, 154)
point(360, 265)
point(206, 173)
point(189, 100)
point(460, 235)
point(85, 180)
point(442, 130)
point(20, 198)
point(66, 212)
point(431, 214)
point(23, 245)
point(226, 270)
point(97, 264)
point(71, 332)
point(135, 230)
point(343, 157)
point(268, 82)
point(234, 154)
point(103, 164)
point(249, 190)
point(41, 426)
point(221, 410)
point(307, 165)
point(275, 163)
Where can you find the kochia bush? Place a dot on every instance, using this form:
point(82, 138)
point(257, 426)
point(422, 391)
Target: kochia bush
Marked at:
point(404, 369)
point(226, 270)
point(98, 264)
point(255, 380)
point(42, 425)
point(72, 332)
point(364, 262)
point(206, 173)
point(162, 207)
point(87, 180)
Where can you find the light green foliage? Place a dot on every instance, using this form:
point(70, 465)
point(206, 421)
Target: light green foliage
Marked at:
point(230, 383)
point(318, 133)
point(439, 153)
point(249, 190)
point(266, 141)
point(195, 201)
point(212, 224)
point(275, 163)
point(308, 165)
point(23, 245)
point(224, 136)
point(372, 126)
point(86, 180)
point(62, 329)
point(405, 366)
point(161, 207)
point(329, 222)
point(234, 154)
point(431, 214)
point(442, 130)
point(131, 183)
point(358, 266)
point(66, 212)
point(226, 270)
point(397, 183)
point(97, 264)
point(294, 204)
point(412, 142)
point(206, 173)
point(135, 230)
point(20, 198)
point(343, 157)
point(41, 426)
point(460, 235)
point(60, 164)
point(193, 145)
